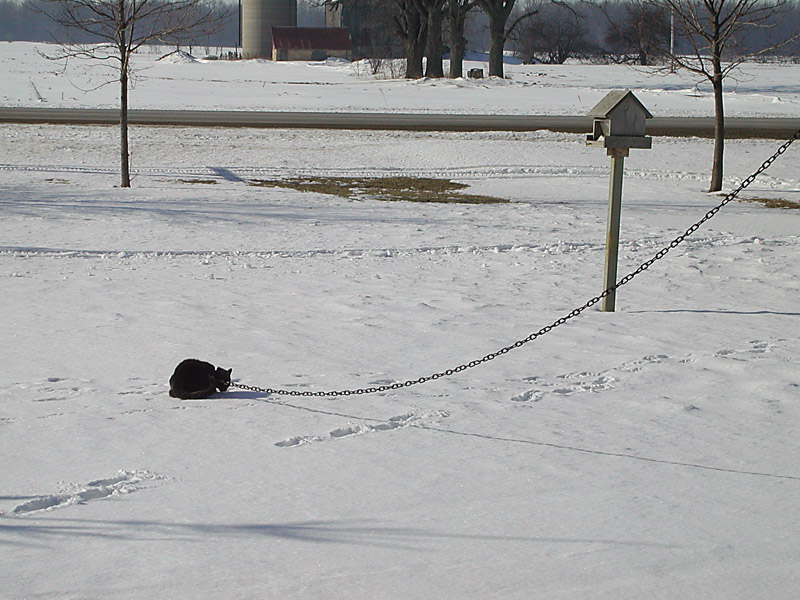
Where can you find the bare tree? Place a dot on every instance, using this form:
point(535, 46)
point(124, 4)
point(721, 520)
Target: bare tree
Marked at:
point(120, 28)
point(714, 38)
point(553, 35)
point(409, 21)
point(433, 13)
point(412, 28)
point(641, 33)
point(499, 12)
point(372, 27)
point(457, 11)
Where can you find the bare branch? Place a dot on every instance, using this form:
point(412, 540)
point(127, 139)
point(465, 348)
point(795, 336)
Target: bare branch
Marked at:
point(526, 15)
point(118, 28)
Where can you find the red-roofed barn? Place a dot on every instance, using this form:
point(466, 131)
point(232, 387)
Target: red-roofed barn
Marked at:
point(311, 43)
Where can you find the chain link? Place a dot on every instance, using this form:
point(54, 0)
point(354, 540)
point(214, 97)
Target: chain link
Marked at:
point(547, 328)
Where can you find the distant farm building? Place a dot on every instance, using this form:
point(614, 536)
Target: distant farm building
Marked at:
point(311, 43)
point(372, 28)
point(269, 30)
point(258, 19)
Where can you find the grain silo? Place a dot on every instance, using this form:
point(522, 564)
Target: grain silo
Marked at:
point(258, 19)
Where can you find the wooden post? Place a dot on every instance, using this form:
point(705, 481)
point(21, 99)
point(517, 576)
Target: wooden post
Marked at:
point(612, 230)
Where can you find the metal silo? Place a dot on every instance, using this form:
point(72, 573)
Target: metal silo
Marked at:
point(258, 16)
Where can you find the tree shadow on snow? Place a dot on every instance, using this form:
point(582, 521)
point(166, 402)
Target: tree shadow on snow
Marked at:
point(718, 312)
point(319, 532)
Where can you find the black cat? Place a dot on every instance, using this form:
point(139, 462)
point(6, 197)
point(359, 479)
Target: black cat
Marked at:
point(194, 379)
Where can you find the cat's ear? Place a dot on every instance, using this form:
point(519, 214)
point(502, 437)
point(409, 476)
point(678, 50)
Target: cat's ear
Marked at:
point(229, 372)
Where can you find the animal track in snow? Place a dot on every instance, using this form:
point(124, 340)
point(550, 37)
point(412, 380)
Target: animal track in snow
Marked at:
point(529, 396)
point(407, 420)
point(57, 389)
point(124, 482)
point(607, 379)
point(755, 347)
point(144, 390)
point(584, 381)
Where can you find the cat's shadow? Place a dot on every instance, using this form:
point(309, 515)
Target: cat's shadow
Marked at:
point(241, 395)
point(235, 395)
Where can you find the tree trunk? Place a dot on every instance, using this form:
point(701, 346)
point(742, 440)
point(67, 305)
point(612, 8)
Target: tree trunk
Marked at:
point(415, 53)
point(123, 127)
point(434, 67)
point(413, 30)
point(497, 11)
point(719, 134)
point(121, 42)
point(497, 42)
point(457, 16)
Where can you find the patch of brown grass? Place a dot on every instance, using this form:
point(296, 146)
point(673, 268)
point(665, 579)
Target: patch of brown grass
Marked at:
point(409, 189)
point(201, 181)
point(773, 202)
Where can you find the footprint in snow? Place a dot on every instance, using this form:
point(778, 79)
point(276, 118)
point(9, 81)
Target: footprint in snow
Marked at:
point(398, 422)
point(125, 482)
point(57, 389)
point(567, 384)
point(754, 347)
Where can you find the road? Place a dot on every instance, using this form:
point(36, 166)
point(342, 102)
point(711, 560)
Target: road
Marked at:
point(744, 127)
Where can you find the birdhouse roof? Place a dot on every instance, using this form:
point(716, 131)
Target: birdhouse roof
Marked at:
point(613, 99)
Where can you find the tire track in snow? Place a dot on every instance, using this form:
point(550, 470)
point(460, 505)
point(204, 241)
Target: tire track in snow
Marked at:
point(465, 172)
point(479, 172)
point(556, 248)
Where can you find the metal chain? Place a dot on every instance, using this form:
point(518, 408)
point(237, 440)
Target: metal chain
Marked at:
point(546, 329)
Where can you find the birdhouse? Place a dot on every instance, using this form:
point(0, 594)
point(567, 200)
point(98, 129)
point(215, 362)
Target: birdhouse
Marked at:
point(619, 122)
point(618, 126)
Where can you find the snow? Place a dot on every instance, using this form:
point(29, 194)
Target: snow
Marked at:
point(650, 452)
point(337, 86)
point(179, 57)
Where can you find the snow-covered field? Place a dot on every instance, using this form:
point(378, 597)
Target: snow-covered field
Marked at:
point(29, 79)
point(646, 453)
